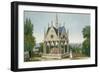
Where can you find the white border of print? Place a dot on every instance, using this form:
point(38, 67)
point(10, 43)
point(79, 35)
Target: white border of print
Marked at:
point(22, 64)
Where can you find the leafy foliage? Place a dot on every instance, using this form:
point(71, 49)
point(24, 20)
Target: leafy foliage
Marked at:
point(29, 40)
point(86, 32)
point(86, 43)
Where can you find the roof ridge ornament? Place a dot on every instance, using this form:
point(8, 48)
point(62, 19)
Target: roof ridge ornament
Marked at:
point(56, 21)
point(52, 23)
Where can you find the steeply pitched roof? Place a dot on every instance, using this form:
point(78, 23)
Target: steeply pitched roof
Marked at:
point(53, 28)
point(60, 29)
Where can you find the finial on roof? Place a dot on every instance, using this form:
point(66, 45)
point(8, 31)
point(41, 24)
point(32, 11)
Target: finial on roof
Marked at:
point(52, 23)
point(64, 24)
point(44, 32)
point(56, 21)
point(67, 31)
point(60, 25)
point(48, 25)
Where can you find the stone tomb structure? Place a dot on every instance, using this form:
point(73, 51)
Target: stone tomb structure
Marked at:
point(56, 41)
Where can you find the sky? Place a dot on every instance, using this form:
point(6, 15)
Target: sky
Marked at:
point(74, 22)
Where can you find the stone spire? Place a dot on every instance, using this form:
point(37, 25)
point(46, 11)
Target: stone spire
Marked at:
point(51, 23)
point(56, 21)
point(64, 24)
point(68, 41)
point(48, 25)
point(44, 32)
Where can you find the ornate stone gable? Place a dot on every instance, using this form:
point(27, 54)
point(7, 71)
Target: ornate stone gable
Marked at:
point(56, 42)
point(51, 34)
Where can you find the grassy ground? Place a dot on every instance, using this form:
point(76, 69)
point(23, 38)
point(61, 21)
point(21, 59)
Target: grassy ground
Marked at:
point(37, 57)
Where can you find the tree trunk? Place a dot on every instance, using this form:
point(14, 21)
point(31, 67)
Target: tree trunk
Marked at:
point(30, 54)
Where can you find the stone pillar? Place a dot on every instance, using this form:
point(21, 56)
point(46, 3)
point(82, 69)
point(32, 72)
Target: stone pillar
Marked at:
point(44, 45)
point(49, 46)
point(68, 48)
point(70, 54)
point(44, 48)
point(68, 41)
point(64, 48)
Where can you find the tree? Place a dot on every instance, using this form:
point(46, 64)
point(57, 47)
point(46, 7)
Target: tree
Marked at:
point(28, 27)
point(41, 47)
point(29, 39)
point(86, 42)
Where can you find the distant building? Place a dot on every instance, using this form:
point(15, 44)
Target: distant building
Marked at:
point(56, 40)
point(36, 48)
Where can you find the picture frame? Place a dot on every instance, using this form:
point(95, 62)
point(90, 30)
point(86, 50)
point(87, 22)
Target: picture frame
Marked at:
point(23, 13)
